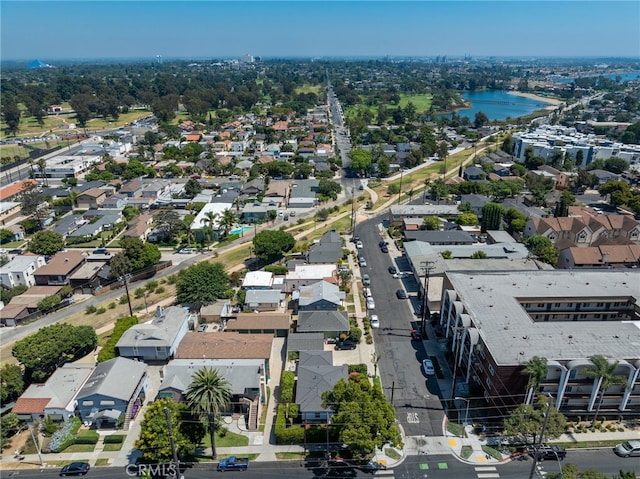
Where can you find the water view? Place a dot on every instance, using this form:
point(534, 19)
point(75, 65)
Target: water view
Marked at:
point(498, 105)
point(613, 76)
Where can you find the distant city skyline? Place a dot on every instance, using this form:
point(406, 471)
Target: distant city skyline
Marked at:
point(55, 30)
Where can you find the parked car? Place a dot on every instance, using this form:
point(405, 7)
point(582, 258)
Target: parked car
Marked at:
point(392, 270)
point(427, 367)
point(374, 321)
point(186, 251)
point(362, 262)
point(347, 344)
point(16, 251)
point(371, 304)
point(366, 292)
point(359, 245)
point(366, 279)
point(628, 449)
point(401, 294)
point(292, 214)
point(356, 238)
point(382, 243)
point(286, 217)
point(548, 453)
point(369, 466)
point(384, 249)
point(75, 469)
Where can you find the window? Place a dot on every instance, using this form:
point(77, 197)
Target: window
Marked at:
point(491, 370)
point(107, 403)
point(599, 305)
point(586, 305)
point(87, 403)
point(583, 316)
point(540, 305)
point(569, 305)
point(557, 305)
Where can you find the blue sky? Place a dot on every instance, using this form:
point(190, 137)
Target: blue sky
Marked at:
point(219, 29)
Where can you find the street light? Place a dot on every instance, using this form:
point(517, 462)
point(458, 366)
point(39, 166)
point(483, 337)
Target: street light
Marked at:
point(466, 411)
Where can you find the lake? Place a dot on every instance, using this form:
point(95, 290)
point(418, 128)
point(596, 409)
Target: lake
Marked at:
point(628, 76)
point(498, 105)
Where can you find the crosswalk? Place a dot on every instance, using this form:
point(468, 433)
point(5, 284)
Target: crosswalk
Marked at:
point(486, 472)
point(482, 472)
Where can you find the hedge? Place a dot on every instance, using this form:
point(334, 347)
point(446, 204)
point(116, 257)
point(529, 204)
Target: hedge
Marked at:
point(109, 349)
point(284, 434)
point(287, 381)
point(359, 368)
point(87, 437)
point(65, 436)
point(114, 439)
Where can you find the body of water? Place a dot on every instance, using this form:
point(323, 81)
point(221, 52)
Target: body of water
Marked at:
point(498, 105)
point(623, 77)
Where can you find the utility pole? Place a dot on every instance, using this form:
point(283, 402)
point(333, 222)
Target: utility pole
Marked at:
point(124, 279)
point(172, 441)
point(35, 443)
point(427, 266)
point(540, 439)
point(353, 213)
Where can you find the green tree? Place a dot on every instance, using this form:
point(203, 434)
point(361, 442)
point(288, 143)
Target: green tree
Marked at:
point(328, 189)
point(46, 243)
point(393, 189)
point(481, 119)
point(431, 223)
point(526, 420)
point(208, 393)
point(141, 255)
point(542, 247)
point(192, 188)
point(515, 221)
point(360, 160)
point(201, 284)
point(438, 189)
point(492, 214)
point(270, 245)
point(619, 192)
point(478, 255)
point(467, 219)
point(12, 383)
point(562, 206)
point(52, 346)
point(227, 221)
point(119, 265)
point(603, 372)
point(6, 236)
point(49, 302)
point(536, 369)
point(154, 440)
point(108, 351)
point(8, 427)
point(361, 414)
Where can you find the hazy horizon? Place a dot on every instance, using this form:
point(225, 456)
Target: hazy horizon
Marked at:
point(99, 30)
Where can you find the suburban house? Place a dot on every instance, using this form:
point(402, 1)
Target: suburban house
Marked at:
point(54, 399)
point(139, 227)
point(209, 217)
point(297, 342)
point(306, 274)
point(264, 299)
point(157, 340)
point(115, 392)
point(316, 374)
point(215, 312)
point(59, 268)
point(330, 323)
point(91, 199)
point(397, 213)
point(20, 271)
point(448, 237)
point(320, 296)
point(132, 188)
point(276, 324)
point(327, 251)
point(227, 345)
point(245, 377)
point(88, 277)
point(303, 194)
point(257, 280)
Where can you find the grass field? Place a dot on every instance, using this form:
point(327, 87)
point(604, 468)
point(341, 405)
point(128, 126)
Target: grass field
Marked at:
point(421, 102)
point(306, 88)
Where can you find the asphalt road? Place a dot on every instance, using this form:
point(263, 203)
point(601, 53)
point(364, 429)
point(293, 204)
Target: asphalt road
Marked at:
point(415, 397)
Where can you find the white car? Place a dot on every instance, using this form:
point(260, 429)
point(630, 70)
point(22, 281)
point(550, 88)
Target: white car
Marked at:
point(359, 245)
point(371, 304)
point(366, 292)
point(374, 321)
point(427, 366)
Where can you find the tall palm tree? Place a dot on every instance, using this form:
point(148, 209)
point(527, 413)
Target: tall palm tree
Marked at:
point(207, 394)
point(603, 371)
point(227, 221)
point(536, 369)
point(209, 221)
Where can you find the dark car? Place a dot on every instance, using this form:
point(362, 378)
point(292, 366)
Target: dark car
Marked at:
point(384, 249)
point(75, 469)
point(340, 469)
point(16, 251)
point(548, 453)
point(369, 466)
point(345, 345)
point(392, 270)
point(401, 294)
point(415, 335)
point(382, 243)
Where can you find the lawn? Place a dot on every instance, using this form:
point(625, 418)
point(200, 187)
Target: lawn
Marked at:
point(290, 455)
point(102, 462)
point(80, 448)
point(421, 102)
point(112, 447)
point(230, 439)
point(307, 88)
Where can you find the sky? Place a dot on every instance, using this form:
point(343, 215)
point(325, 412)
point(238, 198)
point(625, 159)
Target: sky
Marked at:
point(87, 29)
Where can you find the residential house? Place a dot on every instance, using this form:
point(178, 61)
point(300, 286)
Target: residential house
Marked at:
point(603, 176)
point(20, 271)
point(87, 278)
point(331, 323)
point(245, 377)
point(55, 399)
point(227, 345)
point(603, 256)
point(264, 300)
point(116, 201)
point(16, 229)
point(12, 314)
point(297, 342)
point(412, 224)
point(157, 340)
point(476, 202)
point(114, 393)
point(448, 237)
point(303, 194)
point(320, 296)
point(132, 188)
point(59, 268)
point(216, 312)
point(139, 227)
point(474, 173)
point(306, 274)
point(397, 213)
point(276, 324)
point(201, 222)
point(327, 251)
point(257, 280)
point(93, 198)
point(316, 374)
point(253, 188)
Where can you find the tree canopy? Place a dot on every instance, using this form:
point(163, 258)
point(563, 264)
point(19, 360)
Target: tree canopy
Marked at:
point(526, 420)
point(11, 382)
point(202, 284)
point(52, 346)
point(46, 243)
point(141, 255)
point(269, 245)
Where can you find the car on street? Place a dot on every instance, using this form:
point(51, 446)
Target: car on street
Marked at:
point(356, 238)
point(16, 251)
point(548, 453)
point(384, 248)
point(75, 469)
point(366, 279)
point(369, 466)
point(427, 367)
point(366, 292)
point(416, 335)
point(628, 449)
point(401, 294)
point(382, 243)
point(392, 270)
point(3, 251)
point(359, 245)
point(362, 262)
point(347, 344)
point(186, 251)
point(374, 321)
point(371, 304)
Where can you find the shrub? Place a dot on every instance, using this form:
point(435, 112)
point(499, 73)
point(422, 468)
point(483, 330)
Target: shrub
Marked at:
point(114, 439)
point(355, 334)
point(138, 293)
point(87, 437)
point(112, 305)
point(369, 339)
point(90, 309)
point(151, 285)
point(109, 349)
point(160, 289)
point(123, 299)
point(358, 368)
point(286, 386)
point(101, 310)
point(65, 436)
point(283, 434)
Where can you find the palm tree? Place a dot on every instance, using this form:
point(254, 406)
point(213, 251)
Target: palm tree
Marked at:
point(209, 220)
point(207, 394)
point(227, 221)
point(536, 369)
point(603, 371)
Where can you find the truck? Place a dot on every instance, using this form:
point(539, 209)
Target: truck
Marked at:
point(233, 463)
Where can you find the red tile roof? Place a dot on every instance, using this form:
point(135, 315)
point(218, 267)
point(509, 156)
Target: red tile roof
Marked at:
point(30, 405)
point(14, 189)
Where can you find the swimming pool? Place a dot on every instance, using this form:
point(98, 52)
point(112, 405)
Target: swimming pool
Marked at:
point(241, 230)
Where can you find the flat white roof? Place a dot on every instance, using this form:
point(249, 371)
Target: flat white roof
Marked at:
point(312, 271)
point(200, 221)
point(257, 279)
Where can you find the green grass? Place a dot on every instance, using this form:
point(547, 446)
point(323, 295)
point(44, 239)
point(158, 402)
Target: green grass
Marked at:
point(466, 452)
point(252, 457)
point(68, 461)
point(230, 439)
point(492, 452)
point(290, 455)
point(112, 447)
point(392, 453)
point(306, 88)
point(421, 102)
point(102, 462)
point(80, 448)
point(455, 429)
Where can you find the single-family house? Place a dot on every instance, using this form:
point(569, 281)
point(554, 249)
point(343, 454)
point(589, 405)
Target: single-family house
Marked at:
point(303, 194)
point(474, 173)
point(215, 312)
point(257, 280)
point(93, 198)
point(316, 374)
point(87, 278)
point(157, 340)
point(297, 342)
point(327, 251)
point(320, 296)
point(330, 323)
point(448, 237)
point(114, 392)
point(20, 271)
point(59, 268)
point(132, 188)
point(264, 299)
point(276, 324)
point(55, 399)
point(306, 274)
point(139, 227)
point(397, 213)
